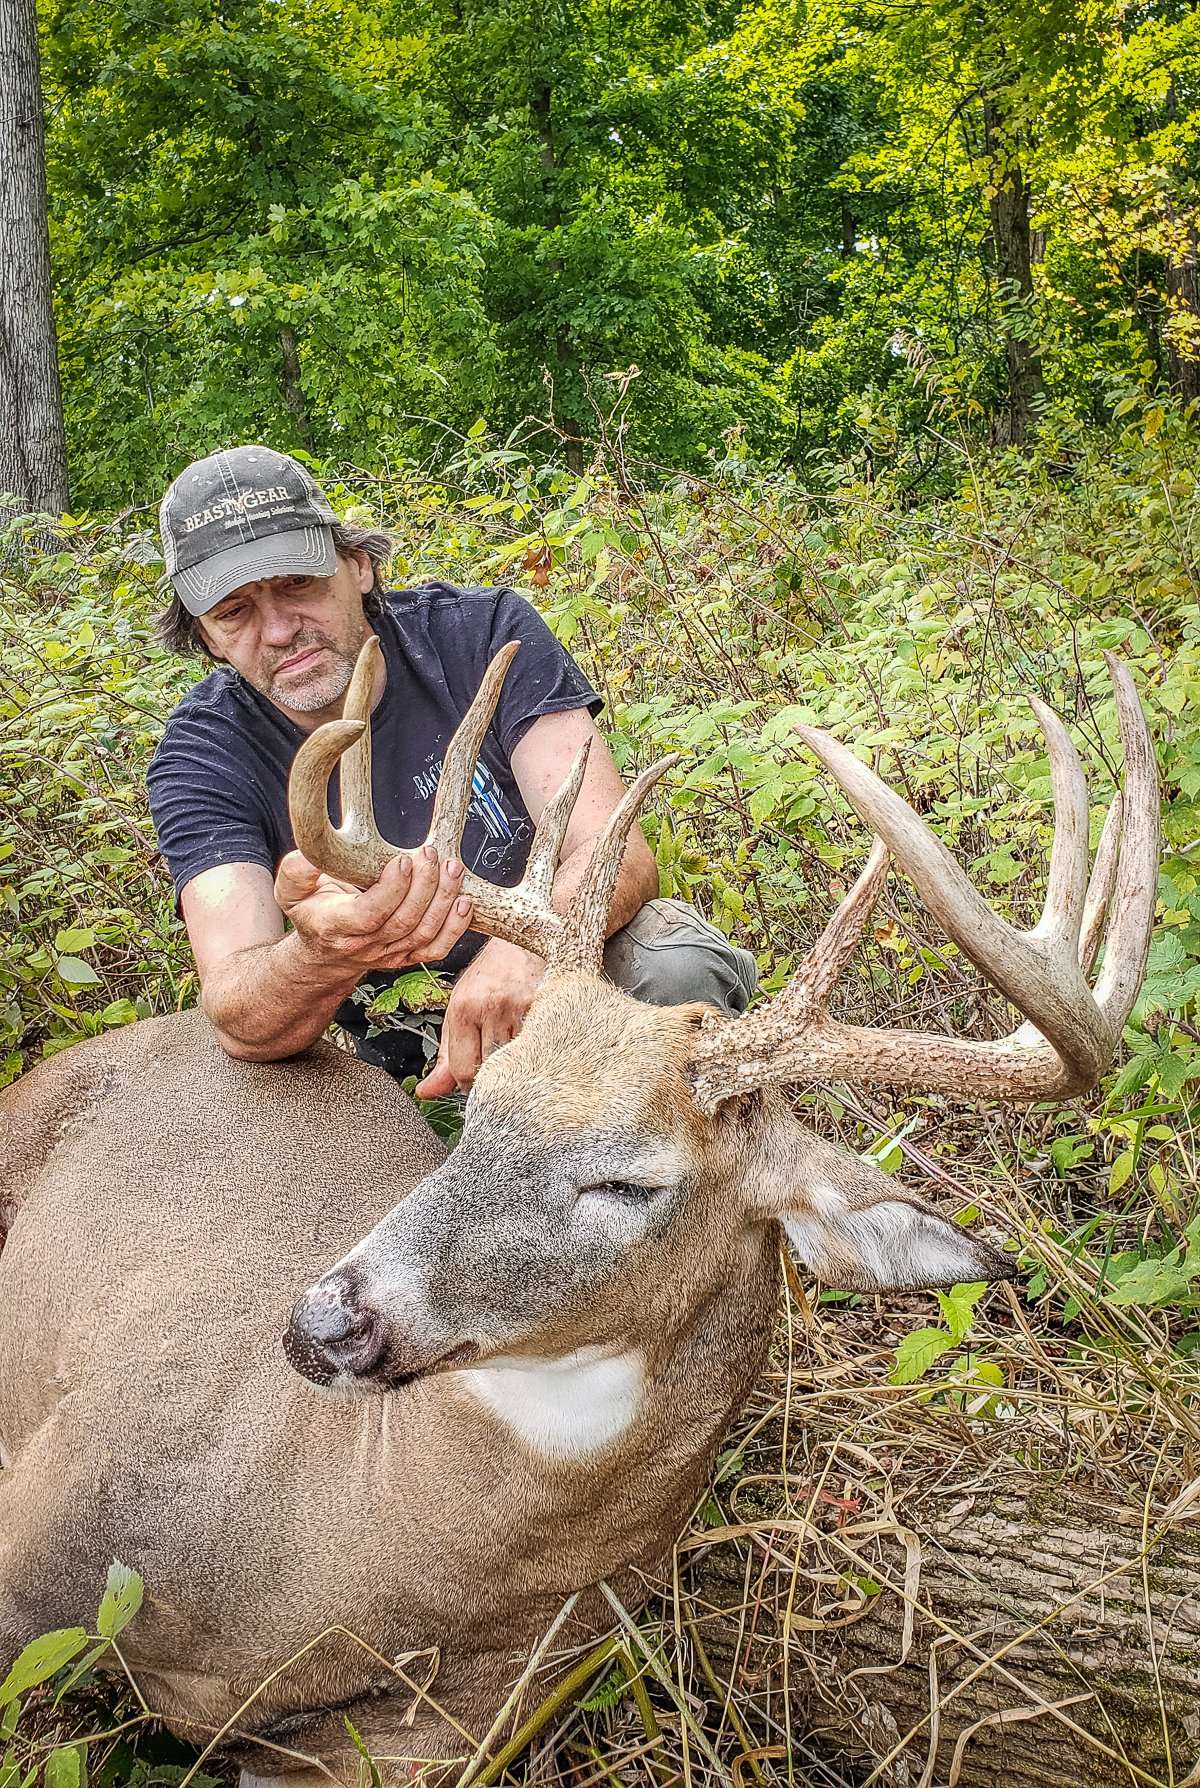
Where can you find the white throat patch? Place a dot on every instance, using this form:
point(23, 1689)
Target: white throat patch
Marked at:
point(566, 1408)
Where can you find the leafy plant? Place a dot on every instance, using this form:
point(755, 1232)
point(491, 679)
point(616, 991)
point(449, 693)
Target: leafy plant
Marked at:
point(47, 1657)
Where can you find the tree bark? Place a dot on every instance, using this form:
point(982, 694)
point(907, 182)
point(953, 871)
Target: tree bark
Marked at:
point(1023, 1602)
point(33, 456)
point(293, 388)
point(1012, 245)
point(1183, 297)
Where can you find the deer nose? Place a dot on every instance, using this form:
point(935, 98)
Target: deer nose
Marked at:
point(330, 1332)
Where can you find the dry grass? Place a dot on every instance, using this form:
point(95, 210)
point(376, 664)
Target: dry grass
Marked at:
point(950, 1581)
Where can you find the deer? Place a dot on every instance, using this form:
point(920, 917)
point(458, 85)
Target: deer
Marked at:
point(373, 1419)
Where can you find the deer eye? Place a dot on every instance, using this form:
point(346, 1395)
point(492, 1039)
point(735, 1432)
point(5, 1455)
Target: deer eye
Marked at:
point(625, 1190)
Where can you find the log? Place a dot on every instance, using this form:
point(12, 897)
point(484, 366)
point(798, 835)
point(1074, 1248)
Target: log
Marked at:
point(1020, 1634)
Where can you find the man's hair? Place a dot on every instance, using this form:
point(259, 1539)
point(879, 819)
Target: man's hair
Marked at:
point(174, 627)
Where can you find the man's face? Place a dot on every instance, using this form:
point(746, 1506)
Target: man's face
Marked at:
point(295, 639)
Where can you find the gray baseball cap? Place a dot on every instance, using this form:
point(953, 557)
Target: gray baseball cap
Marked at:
point(239, 515)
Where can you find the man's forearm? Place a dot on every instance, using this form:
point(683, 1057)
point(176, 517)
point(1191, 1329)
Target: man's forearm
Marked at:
point(274, 1000)
point(637, 882)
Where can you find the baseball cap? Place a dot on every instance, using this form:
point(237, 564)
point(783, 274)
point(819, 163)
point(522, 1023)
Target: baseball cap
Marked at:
point(239, 515)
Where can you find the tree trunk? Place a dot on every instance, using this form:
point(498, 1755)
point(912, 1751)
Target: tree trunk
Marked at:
point(1011, 243)
point(1183, 301)
point(293, 388)
point(33, 456)
point(1024, 1602)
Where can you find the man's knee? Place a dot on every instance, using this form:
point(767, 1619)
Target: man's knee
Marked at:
point(669, 954)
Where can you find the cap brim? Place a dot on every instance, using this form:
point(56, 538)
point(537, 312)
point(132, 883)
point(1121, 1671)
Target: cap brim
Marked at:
point(307, 552)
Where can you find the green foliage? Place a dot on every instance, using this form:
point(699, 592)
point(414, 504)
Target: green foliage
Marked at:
point(715, 615)
point(922, 1348)
point(42, 1660)
point(90, 940)
point(1169, 1277)
point(806, 232)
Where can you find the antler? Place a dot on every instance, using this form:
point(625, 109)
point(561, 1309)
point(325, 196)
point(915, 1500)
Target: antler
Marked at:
point(355, 851)
point(1072, 1033)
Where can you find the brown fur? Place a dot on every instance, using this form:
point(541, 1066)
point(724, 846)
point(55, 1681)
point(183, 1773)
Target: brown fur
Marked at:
point(174, 1204)
point(147, 1412)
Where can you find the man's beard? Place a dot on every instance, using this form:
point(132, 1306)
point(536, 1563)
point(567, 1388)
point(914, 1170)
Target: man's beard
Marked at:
point(328, 682)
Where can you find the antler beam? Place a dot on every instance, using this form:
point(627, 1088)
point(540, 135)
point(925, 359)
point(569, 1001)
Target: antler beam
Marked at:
point(356, 852)
point(1072, 1033)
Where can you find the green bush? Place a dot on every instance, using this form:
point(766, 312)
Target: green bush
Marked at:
point(715, 615)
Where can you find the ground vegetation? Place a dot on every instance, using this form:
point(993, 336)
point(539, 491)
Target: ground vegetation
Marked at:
point(953, 1538)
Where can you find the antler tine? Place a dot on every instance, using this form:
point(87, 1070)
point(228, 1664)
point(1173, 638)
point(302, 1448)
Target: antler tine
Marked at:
point(1071, 1035)
point(355, 852)
point(580, 945)
point(343, 852)
point(823, 966)
point(357, 817)
point(1067, 876)
point(1131, 918)
point(1095, 911)
point(453, 796)
point(552, 829)
point(1100, 887)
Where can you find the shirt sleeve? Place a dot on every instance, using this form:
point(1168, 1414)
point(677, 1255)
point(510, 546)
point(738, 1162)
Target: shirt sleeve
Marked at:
point(543, 677)
point(203, 801)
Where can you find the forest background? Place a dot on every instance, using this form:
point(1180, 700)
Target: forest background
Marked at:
point(835, 362)
point(349, 229)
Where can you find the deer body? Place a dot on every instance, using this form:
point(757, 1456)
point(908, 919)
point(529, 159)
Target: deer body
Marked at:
point(512, 1364)
point(147, 1410)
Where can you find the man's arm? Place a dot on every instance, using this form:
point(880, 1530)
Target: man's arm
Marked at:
point(269, 992)
point(493, 993)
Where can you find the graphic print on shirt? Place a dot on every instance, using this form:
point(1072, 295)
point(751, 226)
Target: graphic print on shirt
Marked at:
point(486, 806)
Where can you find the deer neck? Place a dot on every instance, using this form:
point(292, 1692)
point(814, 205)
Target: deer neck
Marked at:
point(573, 1408)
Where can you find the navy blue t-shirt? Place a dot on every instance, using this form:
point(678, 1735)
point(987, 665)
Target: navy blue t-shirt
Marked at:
point(218, 782)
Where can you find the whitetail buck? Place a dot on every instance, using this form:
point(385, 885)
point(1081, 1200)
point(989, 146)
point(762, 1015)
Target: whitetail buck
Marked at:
point(534, 1342)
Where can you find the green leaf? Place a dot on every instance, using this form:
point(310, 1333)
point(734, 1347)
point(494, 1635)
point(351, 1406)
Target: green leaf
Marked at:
point(917, 1353)
point(609, 1692)
point(1134, 1074)
point(75, 972)
point(1120, 1170)
point(77, 1674)
point(958, 1308)
point(63, 1768)
point(1068, 1151)
point(1171, 1073)
point(765, 800)
point(1152, 1282)
point(356, 1739)
point(119, 1012)
point(74, 939)
point(40, 1659)
point(418, 991)
point(121, 1600)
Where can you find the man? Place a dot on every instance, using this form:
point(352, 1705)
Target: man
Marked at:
point(280, 595)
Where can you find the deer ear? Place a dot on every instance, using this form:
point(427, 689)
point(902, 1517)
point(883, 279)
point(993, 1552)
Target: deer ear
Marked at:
point(852, 1226)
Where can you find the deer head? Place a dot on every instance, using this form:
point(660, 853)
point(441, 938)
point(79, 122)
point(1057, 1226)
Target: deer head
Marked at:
point(620, 1163)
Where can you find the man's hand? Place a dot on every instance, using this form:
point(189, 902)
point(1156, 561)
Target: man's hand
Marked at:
point(416, 912)
point(487, 1008)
